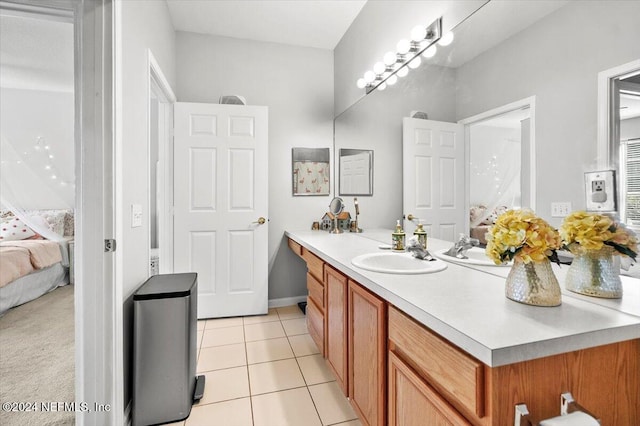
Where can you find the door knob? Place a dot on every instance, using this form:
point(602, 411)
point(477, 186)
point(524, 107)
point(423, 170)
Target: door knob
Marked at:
point(260, 221)
point(410, 217)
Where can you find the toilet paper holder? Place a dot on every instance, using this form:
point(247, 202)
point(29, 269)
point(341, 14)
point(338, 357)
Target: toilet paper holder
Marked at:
point(567, 405)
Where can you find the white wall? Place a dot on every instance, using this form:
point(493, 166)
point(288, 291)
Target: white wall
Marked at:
point(296, 84)
point(144, 25)
point(557, 60)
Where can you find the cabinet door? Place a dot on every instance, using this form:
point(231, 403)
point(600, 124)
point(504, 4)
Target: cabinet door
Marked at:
point(336, 324)
point(367, 355)
point(412, 402)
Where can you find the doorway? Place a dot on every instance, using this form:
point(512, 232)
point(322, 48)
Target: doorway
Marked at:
point(160, 179)
point(500, 161)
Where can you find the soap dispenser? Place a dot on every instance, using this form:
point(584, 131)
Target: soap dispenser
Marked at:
point(421, 235)
point(397, 238)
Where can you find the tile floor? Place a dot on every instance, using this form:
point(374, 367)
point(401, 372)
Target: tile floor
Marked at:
point(265, 371)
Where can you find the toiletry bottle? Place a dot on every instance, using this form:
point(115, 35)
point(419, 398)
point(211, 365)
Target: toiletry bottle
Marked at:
point(397, 238)
point(421, 235)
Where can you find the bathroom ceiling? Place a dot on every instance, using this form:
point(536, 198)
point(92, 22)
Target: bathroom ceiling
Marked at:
point(309, 23)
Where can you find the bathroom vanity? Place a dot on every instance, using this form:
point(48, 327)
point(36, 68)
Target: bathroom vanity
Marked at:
point(449, 348)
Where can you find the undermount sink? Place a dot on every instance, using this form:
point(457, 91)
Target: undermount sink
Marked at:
point(397, 263)
point(475, 255)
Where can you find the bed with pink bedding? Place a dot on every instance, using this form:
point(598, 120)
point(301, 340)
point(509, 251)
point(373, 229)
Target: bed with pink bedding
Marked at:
point(29, 269)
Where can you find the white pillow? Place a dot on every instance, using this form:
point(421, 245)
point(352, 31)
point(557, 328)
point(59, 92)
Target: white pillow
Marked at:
point(54, 218)
point(15, 229)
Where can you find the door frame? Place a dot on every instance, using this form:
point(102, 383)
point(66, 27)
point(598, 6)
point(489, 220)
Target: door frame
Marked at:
point(608, 129)
point(97, 316)
point(158, 84)
point(530, 103)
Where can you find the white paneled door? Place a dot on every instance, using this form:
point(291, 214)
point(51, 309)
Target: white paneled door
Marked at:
point(220, 199)
point(433, 177)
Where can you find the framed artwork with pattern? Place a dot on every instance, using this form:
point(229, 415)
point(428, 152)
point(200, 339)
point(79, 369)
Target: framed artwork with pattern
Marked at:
point(310, 171)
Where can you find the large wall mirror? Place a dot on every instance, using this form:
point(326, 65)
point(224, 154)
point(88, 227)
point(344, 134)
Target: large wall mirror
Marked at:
point(522, 76)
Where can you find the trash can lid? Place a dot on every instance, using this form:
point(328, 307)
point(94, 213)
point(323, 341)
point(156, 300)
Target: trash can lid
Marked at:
point(166, 286)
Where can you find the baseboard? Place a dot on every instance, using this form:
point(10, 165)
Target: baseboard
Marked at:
point(286, 301)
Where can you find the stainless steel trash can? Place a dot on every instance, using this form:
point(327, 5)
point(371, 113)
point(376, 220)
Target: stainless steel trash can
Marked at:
point(164, 350)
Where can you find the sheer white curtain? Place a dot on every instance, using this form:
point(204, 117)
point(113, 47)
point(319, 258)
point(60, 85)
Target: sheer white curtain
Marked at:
point(30, 179)
point(495, 178)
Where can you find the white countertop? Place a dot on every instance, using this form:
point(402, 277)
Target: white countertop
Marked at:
point(467, 306)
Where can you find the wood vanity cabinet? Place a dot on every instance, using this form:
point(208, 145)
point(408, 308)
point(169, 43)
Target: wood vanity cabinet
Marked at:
point(412, 402)
point(367, 343)
point(396, 371)
point(430, 378)
point(315, 313)
point(336, 325)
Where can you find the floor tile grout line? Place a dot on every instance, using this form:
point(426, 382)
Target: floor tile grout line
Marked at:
point(315, 407)
point(246, 359)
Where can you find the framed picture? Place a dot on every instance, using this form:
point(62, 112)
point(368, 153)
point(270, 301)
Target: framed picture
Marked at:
point(310, 171)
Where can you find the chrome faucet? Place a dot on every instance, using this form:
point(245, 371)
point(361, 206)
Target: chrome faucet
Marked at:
point(461, 246)
point(414, 247)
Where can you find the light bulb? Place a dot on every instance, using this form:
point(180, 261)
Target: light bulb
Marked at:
point(418, 33)
point(389, 58)
point(403, 46)
point(382, 86)
point(415, 62)
point(369, 76)
point(430, 52)
point(392, 80)
point(54, 177)
point(47, 167)
point(46, 147)
point(446, 39)
point(361, 83)
point(50, 155)
point(379, 68)
point(402, 72)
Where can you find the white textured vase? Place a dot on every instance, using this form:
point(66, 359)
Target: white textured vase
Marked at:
point(594, 273)
point(533, 283)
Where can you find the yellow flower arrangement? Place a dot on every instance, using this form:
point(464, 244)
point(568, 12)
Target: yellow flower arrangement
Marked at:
point(523, 235)
point(582, 231)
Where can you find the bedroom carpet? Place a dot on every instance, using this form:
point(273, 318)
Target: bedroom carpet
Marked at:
point(37, 357)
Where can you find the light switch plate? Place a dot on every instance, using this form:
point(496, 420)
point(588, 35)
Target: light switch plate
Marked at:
point(136, 215)
point(560, 209)
point(600, 191)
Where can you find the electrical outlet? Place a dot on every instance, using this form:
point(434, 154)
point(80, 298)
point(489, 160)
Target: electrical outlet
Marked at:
point(560, 209)
point(600, 191)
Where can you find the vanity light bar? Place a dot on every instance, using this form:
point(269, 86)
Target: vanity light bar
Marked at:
point(407, 54)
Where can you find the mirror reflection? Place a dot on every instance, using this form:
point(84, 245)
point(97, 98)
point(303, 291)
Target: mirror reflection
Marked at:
point(537, 57)
point(627, 90)
point(356, 172)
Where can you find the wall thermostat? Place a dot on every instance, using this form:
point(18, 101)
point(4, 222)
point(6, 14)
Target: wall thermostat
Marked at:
point(600, 191)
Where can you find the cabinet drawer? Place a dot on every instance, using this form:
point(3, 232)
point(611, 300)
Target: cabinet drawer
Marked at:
point(295, 247)
point(315, 324)
point(316, 290)
point(315, 265)
point(414, 402)
point(458, 376)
